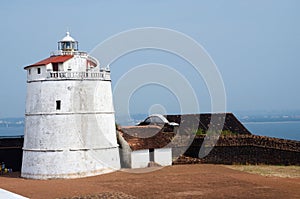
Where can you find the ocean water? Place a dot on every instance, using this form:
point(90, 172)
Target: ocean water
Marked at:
point(11, 131)
point(285, 130)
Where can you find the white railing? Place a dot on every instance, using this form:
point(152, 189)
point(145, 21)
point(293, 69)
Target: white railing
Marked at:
point(79, 75)
point(60, 52)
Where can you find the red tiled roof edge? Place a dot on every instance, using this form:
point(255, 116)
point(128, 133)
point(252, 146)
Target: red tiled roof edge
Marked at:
point(159, 140)
point(52, 59)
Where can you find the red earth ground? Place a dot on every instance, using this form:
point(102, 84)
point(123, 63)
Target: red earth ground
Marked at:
point(180, 181)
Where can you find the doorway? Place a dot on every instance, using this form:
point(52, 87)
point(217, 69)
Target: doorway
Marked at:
point(55, 66)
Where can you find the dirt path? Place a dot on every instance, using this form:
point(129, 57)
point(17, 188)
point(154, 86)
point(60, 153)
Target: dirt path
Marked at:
point(181, 181)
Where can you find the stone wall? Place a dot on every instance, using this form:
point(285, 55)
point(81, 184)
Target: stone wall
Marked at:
point(239, 149)
point(11, 152)
point(245, 149)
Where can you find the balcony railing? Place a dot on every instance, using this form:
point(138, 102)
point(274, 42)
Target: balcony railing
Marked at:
point(79, 75)
point(60, 52)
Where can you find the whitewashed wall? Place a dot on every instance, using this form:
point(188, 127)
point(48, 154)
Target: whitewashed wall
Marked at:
point(140, 158)
point(163, 156)
point(78, 64)
point(69, 163)
point(33, 74)
point(125, 152)
point(77, 140)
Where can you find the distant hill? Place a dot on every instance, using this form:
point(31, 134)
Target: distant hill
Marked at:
point(271, 117)
point(244, 117)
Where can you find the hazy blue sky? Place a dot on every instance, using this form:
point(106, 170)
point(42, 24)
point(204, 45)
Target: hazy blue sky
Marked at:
point(254, 43)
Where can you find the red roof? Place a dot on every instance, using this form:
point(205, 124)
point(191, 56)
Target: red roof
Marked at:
point(52, 59)
point(146, 137)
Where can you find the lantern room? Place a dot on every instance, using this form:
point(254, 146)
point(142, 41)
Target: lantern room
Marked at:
point(68, 45)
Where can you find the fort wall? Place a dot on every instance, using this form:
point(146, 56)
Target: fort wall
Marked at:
point(245, 149)
point(230, 149)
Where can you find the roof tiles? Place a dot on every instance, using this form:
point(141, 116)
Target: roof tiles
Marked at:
point(146, 137)
point(52, 59)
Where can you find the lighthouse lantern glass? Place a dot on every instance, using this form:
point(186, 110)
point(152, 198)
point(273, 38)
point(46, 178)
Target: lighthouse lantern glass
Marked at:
point(68, 45)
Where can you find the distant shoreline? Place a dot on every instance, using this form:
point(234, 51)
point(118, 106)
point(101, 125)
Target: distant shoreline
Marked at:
point(271, 122)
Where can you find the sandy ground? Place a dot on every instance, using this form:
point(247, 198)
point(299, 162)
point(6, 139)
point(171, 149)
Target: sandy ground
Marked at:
point(180, 181)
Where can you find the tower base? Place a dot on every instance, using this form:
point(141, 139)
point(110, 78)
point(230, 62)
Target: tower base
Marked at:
point(69, 164)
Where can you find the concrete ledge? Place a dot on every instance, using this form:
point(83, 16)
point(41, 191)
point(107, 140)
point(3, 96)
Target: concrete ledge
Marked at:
point(9, 195)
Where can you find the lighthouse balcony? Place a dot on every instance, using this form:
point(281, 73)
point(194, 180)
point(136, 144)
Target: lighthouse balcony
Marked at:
point(104, 75)
point(67, 52)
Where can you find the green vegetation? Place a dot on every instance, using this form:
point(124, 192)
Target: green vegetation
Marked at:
point(199, 132)
point(227, 132)
point(202, 132)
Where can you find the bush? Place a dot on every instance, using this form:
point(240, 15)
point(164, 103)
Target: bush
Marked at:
point(227, 132)
point(202, 132)
point(199, 132)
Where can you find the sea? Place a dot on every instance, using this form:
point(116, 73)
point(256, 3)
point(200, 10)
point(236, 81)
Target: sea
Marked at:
point(286, 130)
point(14, 131)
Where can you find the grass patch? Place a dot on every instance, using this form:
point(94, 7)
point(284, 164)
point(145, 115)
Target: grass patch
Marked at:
point(202, 132)
point(269, 170)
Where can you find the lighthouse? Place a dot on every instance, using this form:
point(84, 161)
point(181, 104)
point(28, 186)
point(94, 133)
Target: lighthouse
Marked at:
point(69, 117)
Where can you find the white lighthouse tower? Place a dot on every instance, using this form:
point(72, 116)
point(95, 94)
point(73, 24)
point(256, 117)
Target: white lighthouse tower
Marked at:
point(69, 118)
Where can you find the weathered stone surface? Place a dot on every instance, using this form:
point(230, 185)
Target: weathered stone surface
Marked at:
point(231, 123)
point(245, 149)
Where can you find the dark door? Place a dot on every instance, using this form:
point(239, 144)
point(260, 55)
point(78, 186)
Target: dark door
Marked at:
point(55, 66)
point(151, 152)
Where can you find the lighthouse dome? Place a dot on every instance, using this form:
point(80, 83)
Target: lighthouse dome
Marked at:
point(68, 37)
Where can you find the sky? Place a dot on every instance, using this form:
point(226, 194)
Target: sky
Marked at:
point(255, 45)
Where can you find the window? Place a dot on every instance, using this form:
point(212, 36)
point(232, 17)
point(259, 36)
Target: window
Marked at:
point(58, 104)
point(38, 70)
point(29, 72)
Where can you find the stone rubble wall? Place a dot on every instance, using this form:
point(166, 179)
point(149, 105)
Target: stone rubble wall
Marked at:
point(244, 149)
point(11, 152)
